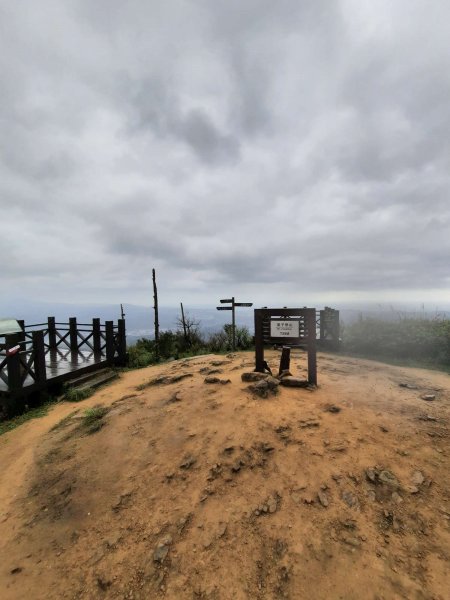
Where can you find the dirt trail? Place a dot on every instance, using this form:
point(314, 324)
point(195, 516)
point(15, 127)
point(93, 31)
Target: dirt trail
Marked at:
point(183, 489)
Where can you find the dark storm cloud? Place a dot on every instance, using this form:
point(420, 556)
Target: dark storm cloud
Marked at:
point(289, 145)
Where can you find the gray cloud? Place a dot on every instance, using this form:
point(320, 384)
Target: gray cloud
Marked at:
point(281, 149)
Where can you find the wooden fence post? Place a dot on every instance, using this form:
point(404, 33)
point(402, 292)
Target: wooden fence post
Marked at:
point(22, 325)
point(310, 325)
point(96, 337)
point(51, 333)
point(109, 329)
point(14, 374)
point(40, 370)
point(73, 334)
point(285, 360)
point(122, 341)
point(259, 342)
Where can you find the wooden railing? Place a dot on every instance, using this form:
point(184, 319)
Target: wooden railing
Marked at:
point(24, 355)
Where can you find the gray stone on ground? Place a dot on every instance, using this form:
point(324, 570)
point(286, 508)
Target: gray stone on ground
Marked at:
point(261, 389)
point(272, 382)
point(290, 381)
point(388, 479)
point(162, 549)
point(428, 397)
point(417, 478)
point(323, 499)
point(253, 376)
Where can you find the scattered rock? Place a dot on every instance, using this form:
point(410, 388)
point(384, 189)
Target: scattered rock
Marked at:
point(323, 499)
point(272, 504)
point(273, 383)
point(173, 398)
point(417, 478)
point(236, 467)
point(428, 397)
point(122, 502)
point(162, 549)
point(350, 540)
point(103, 583)
point(371, 475)
point(308, 422)
point(350, 499)
point(16, 570)
point(219, 363)
point(290, 381)
point(261, 389)
point(253, 376)
point(269, 506)
point(113, 540)
point(388, 479)
point(408, 386)
point(333, 409)
point(397, 498)
point(222, 530)
point(211, 379)
point(188, 462)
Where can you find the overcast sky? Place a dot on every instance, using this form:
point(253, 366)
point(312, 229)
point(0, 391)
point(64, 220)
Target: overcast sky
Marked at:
point(282, 151)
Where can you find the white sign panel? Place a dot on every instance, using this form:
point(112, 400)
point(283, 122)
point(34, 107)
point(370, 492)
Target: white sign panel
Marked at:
point(288, 329)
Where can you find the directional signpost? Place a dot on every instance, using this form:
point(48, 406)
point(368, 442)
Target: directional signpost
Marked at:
point(233, 319)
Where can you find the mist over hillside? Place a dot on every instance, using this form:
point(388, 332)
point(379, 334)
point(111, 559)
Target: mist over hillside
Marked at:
point(139, 319)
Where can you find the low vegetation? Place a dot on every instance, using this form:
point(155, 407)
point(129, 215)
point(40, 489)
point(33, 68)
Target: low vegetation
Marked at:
point(76, 395)
point(93, 418)
point(178, 345)
point(418, 341)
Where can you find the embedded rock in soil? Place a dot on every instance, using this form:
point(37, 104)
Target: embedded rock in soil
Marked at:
point(162, 549)
point(323, 499)
point(261, 389)
point(253, 376)
point(417, 478)
point(290, 381)
point(273, 383)
point(428, 397)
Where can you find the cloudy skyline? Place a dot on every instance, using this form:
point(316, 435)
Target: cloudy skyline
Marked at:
point(284, 152)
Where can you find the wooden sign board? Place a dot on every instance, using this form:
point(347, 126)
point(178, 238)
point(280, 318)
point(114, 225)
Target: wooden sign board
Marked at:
point(285, 329)
point(295, 327)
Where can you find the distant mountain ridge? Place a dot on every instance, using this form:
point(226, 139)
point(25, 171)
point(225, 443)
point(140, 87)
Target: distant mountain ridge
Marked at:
point(139, 319)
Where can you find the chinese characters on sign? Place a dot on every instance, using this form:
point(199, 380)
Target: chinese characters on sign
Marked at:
point(289, 329)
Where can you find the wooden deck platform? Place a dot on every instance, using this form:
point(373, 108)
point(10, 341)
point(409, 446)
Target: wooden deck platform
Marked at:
point(50, 353)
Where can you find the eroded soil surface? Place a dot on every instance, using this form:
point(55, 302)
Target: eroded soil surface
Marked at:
point(183, 489)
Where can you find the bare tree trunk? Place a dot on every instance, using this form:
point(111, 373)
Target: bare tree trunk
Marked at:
point(183, 320)
point(155, 306)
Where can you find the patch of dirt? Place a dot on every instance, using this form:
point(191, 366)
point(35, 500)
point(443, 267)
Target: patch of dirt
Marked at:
point(193, 492)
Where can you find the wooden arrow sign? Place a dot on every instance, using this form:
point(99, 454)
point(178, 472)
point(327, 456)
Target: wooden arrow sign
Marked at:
point(226, 300)
point(243, 303)
point(224, 308)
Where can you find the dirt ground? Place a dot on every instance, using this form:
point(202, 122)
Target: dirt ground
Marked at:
point(185, 490)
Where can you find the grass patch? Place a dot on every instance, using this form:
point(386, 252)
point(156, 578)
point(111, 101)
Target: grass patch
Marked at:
point(34, 413)
point(65, 421)
point(93, 419)
point(75, 395)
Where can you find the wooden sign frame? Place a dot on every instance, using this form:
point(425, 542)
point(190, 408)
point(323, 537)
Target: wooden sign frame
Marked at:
point(306, 339)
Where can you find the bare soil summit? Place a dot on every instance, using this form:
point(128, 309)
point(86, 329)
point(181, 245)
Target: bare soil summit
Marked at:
point(162, 485)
